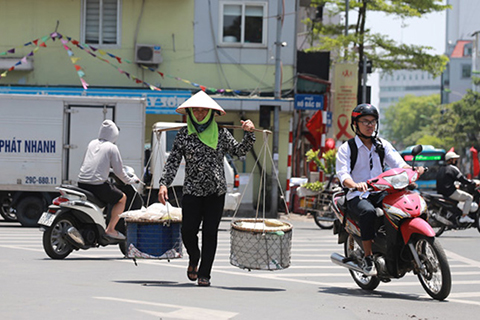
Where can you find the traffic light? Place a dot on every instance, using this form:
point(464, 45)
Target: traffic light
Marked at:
point(369, 66)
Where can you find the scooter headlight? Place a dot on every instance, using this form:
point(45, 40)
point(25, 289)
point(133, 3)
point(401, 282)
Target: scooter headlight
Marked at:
point(398, 181)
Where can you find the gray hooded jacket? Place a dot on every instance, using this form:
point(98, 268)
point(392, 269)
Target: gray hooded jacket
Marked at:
point(102, 154)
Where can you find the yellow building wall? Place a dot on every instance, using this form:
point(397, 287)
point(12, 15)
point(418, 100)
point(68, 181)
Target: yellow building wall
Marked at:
point(163, 22)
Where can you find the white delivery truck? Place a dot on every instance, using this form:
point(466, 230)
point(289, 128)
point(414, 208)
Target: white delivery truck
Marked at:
point(43, 139)
point(163, 136)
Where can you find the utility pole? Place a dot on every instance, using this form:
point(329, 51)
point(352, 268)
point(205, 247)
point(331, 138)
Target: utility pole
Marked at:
point(347, 8)
point(276, 111)
point(364, 76)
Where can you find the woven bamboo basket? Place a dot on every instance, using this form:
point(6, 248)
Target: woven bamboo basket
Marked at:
point(255, 246)
point(147, 239)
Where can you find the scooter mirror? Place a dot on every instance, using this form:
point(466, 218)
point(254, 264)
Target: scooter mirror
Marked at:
point(417, 150)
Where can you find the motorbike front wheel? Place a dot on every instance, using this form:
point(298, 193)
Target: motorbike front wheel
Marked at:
point(478, 221)
point(352, 250)
point(436, 278)
point(54, 242)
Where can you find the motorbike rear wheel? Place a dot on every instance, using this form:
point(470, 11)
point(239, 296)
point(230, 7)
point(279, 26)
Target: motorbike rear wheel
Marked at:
point(436, 279)
point(54, 242)
point(437, 226)
point(352, 250)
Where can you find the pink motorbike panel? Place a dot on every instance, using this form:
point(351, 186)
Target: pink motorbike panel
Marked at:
point(416, 225)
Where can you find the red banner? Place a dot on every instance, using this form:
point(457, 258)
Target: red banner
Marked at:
point(315, 126)
point(476, 164)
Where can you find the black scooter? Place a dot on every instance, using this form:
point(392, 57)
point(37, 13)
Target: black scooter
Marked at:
point(443, 213)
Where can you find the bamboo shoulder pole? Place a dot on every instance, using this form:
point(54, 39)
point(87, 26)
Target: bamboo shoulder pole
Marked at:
point(227, 126)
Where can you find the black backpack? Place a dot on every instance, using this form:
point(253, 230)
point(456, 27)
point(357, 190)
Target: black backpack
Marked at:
point(354, 152)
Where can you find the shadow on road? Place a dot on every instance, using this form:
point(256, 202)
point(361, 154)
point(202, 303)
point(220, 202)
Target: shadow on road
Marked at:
point(151, 283)
point(257, 289)
point(372, 294)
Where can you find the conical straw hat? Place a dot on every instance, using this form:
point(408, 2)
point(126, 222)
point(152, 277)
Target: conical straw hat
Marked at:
point(200, 100)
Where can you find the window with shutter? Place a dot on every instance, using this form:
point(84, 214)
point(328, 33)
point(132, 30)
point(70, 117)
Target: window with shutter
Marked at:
point(100, 23)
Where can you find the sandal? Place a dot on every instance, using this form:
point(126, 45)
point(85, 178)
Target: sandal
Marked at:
point(192, 273)
point(203, 282)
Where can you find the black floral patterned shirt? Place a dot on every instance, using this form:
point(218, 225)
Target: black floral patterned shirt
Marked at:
point(204, 169)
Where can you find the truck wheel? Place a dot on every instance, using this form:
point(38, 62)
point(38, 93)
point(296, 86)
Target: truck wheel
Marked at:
point(8, 213)
point(29, 211)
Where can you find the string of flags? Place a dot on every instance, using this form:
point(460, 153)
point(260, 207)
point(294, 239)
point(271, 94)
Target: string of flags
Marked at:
point(40, 42)
point(99, 54)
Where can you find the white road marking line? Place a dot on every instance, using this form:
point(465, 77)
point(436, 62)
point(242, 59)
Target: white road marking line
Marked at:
point(454, 256)
point(180, 312)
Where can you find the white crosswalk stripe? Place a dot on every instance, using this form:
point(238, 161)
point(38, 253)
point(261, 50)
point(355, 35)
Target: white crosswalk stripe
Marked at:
point(310, 263)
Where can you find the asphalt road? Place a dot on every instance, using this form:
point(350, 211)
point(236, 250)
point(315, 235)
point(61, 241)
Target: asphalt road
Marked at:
point(101, 284)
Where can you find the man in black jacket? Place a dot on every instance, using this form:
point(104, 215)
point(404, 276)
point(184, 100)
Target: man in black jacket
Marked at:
point(446, 177)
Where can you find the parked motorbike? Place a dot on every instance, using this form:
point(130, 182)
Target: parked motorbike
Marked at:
point(443, 213)
point(322, 209)
point(77, 220)
point(404, 240)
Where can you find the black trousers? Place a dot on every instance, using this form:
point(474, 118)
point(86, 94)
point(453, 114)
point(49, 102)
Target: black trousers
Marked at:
point(365, 210)
point(208, 209)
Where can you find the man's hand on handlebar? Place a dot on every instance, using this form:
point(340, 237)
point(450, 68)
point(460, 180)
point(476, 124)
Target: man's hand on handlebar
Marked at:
point(361, 186)
point(421, 170)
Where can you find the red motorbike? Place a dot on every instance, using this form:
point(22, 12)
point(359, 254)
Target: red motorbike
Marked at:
point(404, 240)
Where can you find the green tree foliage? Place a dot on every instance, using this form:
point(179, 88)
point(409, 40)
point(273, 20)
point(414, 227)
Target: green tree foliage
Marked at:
point(412, 120)
point(384, 53)
point(467, 114)
point(422, 120)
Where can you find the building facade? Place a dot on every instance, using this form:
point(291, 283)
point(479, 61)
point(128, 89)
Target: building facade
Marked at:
point(400, 83)
point(462, 24)
point(227, 48)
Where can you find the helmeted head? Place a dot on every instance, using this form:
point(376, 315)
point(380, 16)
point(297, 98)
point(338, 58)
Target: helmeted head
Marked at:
point(451, 156)
point(360, 111)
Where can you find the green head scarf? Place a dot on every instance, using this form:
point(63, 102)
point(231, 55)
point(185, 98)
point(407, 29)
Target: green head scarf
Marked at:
point(206, 130)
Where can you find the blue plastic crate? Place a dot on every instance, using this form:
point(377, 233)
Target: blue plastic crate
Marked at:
point(162, 240)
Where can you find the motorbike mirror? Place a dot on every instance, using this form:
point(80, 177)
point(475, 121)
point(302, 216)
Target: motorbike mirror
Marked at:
point(415, 151)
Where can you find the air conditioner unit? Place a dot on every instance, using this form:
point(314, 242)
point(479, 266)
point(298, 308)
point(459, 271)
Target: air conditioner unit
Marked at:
point(148, 54)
